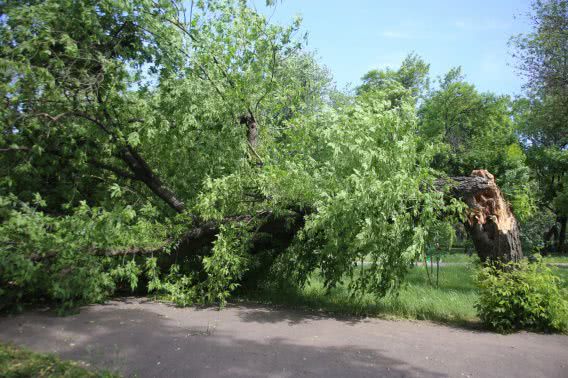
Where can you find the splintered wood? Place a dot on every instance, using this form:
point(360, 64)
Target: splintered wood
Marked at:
point(491, 222)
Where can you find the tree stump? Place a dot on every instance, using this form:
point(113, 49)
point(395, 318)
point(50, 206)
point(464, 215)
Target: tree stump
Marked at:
point(490, 220)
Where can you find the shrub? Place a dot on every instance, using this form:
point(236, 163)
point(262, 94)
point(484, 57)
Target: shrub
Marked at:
point(521, 296)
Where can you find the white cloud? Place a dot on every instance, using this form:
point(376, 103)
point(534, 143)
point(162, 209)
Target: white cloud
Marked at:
point(481, 25)
point(397, 35)
point(423, 34)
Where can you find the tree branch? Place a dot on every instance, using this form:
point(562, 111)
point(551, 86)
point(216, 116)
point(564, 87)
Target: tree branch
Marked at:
point(15, 149)
point(119, 172)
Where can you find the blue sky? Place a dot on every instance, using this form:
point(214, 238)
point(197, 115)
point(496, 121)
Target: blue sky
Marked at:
point(352, 37)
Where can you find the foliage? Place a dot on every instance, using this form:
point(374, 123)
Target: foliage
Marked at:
point(540, 53)
point(522, 296)
point(473, 130)
point(366, 179)
point(66, 69)
point(543, 116)
point(534, 229)
point(545, 150)
point(135, 109)
point(412, 76)
point(55, 258)
point(226, 265)
point(127, 126)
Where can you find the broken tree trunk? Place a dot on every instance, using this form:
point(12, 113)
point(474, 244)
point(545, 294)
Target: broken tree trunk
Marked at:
point(490, 220)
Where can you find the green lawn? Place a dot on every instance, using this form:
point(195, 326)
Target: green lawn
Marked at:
point(20, 362)
point(556, 259)
point(563, 274)
point(459, 258)
point(452, 302)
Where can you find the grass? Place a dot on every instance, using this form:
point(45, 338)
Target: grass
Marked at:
point(555, 259)
point(20, 362)
point(452, 302)
point(459, 258)
point(563, 274)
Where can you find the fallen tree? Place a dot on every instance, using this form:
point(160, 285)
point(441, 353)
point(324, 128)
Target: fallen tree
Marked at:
point(224, 165)
point(490, 222)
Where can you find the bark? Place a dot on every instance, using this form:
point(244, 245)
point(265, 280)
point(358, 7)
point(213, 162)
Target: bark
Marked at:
point(144, 173)
point(249, 121)
point(550, 240)
point(562, 236)
point(275, 232)
point(252, 129)
point(490, 220)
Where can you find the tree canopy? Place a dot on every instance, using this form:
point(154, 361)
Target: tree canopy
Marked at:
point(191, 149)
point(543, 115)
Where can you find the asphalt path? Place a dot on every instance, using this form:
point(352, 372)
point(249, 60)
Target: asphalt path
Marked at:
point(141, 338)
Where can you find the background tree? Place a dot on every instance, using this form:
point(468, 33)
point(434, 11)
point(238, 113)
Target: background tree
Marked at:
point(474, 130)
point(412, 77)
point(543, 115)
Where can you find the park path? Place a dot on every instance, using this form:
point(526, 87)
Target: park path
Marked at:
point(138, 337)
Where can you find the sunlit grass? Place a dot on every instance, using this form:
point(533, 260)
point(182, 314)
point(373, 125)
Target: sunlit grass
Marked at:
point(555, 259)
point(452, 301)
point(20, 362)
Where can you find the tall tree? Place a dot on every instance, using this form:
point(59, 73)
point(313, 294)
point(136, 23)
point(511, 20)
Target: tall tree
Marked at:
point(542, 60)
point(474, 130)
point(412, 76)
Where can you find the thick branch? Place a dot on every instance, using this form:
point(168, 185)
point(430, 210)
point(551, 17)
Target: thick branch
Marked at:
point(464, 187)
point(273, 232)
point(14, 149)
point(140, 169)
point(144, 173)
point(117, 171)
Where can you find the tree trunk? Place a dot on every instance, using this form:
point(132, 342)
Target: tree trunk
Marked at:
point(562, 236)
point(252, 130)
point(550, 240)
point(490, 220)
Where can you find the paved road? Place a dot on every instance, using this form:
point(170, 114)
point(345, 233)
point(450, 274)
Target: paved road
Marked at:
point(146, 339)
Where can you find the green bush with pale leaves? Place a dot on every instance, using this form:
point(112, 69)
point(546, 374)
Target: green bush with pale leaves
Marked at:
point(521, 296)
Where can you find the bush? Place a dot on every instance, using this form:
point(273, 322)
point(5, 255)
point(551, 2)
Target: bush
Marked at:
point(521, 296)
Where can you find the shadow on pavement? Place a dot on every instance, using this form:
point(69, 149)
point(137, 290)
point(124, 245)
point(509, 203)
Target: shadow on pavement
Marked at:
point(145, 343)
